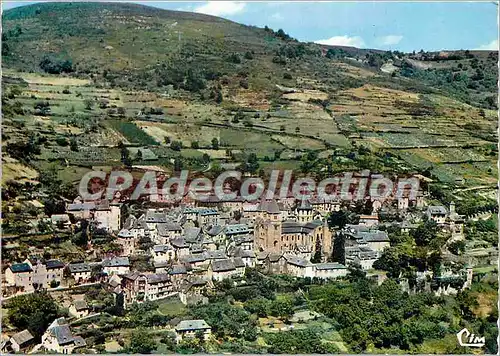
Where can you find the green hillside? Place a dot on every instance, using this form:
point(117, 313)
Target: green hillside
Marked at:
point(81, 78)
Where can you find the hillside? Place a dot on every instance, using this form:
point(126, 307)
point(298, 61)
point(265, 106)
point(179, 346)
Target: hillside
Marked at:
point(101, 74)
point(144, 47)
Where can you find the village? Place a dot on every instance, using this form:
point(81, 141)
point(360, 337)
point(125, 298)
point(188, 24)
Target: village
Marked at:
point(190, 247)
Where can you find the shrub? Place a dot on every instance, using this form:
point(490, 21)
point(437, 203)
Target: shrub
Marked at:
point(56, 66)
point(234, 58)
point(176, 145)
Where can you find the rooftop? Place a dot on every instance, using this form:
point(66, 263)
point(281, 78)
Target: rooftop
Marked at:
point(190, 325)
point(22, 337)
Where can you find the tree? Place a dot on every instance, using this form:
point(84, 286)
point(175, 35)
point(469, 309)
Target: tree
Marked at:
point(425, 233)
point(33, 312)
point(121, 111)
point(339, 248)
point(281, 308)
point(248, 55)
point(89, 103)
point(176, 145)
point(125, 156)
point(141, 342)
point(257, 306)
point(238, 117)
point(215, 143)
point(138, 157)
point(340, 219)
point(56, 66)
point(73, 144)
point(225, 319)
point(297, 129)
point(195, 144)
point(251, 164)
point(178, 164)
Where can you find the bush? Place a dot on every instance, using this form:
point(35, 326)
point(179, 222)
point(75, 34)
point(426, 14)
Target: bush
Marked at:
point(56, 66)
point(62, 141)
point(234, 58)
point(244, 83)
point(176, 145)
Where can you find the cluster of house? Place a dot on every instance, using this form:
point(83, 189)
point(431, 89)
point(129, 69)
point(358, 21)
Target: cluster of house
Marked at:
point(35, 273)
point(59, 338)
point(192, 246)
point(448, 219)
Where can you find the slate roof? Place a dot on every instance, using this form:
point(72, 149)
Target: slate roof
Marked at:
point(195, 248)
point(162, 264)
point(80, 305)
point(208, 212)
point(53, 264)
point(191, 234)
point(294, 227)
point(116, 262)
point(178, 269)
point(193, 258)
point(216, 255)
point(79, 267)
point(60, 329)
point(242, 239)
point(162, 248)
point(269, 206)
point(165, 228)
point(23, 337)
point(437, 210)
point(360, 232)
point(20, 267)
point(125, 233)
point(239, 252)
point(81, 206)
point(274, 257)
point(238, 262)
point(155, 217)
point(297, 261)
point(179, 243)
point(262, 255)
point(223, 265)
point(158, 278)
point(79, 341)
point(191, 325)
point(237, 229)
point(215, 230)
point(329, 266)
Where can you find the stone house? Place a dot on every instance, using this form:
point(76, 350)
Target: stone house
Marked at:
point(80, 272)
point(116, 265)
point(59, 339)
point(20, 275)
point(192, 328)
point(21, 341)
point(79, 309)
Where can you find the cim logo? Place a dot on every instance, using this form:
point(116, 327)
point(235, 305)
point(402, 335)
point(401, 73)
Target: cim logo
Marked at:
point(465, 338)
